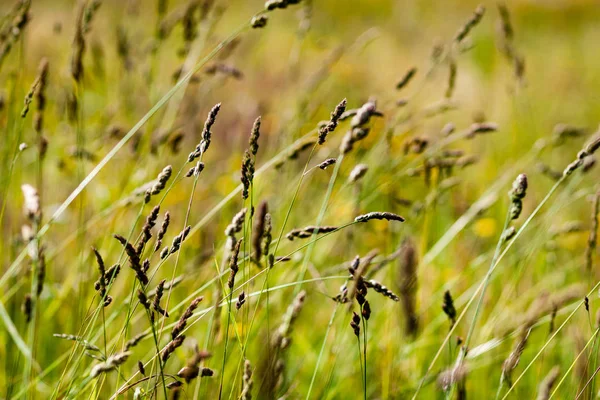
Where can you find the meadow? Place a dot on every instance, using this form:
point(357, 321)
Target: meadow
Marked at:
point(299, 199)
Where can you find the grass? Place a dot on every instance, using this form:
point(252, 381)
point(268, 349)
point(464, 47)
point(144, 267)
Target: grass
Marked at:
point(127, 92)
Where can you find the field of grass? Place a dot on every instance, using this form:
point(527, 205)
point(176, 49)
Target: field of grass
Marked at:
point(233, 199)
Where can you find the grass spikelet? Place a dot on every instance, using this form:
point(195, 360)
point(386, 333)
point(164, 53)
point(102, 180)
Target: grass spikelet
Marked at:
point(479, 128)
point(85, 14)
point(405, 80)
point(147, 229)
point(40, 96)
point(451, 78)
point(162, 231)
point(27, 307)
point(593, 235)
point(206, 134)
point(141, 368)
point(379, 288)
point(308, 231)
point(563, 132)
point(448, 308)
point(159, 184)
point(87, 345)
point(157, 297)
point(233, 265)
point(29, 96)
point(407, 284)
point(247, 381)
point(516, 194)
point(134, 259)
point(240, 301)
point(546, 385)
point(101, 283)
point(327, 163)
point(254, 135)
point(236, 225)
point(357, 173)
point(513, 358)
point(247, 174)
point(330, 126)
point(176, 244)
point(14, 28)
point(452, 376)
point(187, 314)
point(379, 215)
point(31, 204)
point(470, 24)
point(110, 364)
point(259, 21)
point(259, 231)
point(273, 372)
point(171, 347)
point(131, 343)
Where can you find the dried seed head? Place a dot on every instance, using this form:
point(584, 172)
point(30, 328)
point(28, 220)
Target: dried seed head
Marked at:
point(233, 264)
point(254, 135)
point(379, 288)
point(134, 259)
point(176, 245)
point(327, 163)
point(171, 346)
point(563, 132)
point(241, 300)
point(448, 129)
point(470, 24)
point(366, 310)
point(187, 314)
point(406, 78)
point(141, 368)
point(406, 283)
point(147, 229)
point(27, 307)
point(509, 233)
point(259, 230)
point(358, 172)
point(134, 341)
point(110, 364)
point(519, 188)
point(271, 5)
point(448, 308)
point(333, 121)
point(481, 128)
point(517, 193)
point(247, 174)
point(545, 387)
point(451, 376)
point(162, 231)
point(189, 373)
point(451, 78)
point(281, 337)
point(86, 345)
point(259, 21)
point(513, 358)
point(247, 382)
point(157, 297)
point(379, 215)
point(161, 182)
point(355, 324)
point(308, 231)
point(32, 203)
point(206, 134)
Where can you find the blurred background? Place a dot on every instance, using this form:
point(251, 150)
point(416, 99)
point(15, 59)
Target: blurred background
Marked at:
point(292, 73)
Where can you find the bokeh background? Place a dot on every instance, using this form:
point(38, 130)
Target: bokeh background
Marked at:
point(293, 72)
